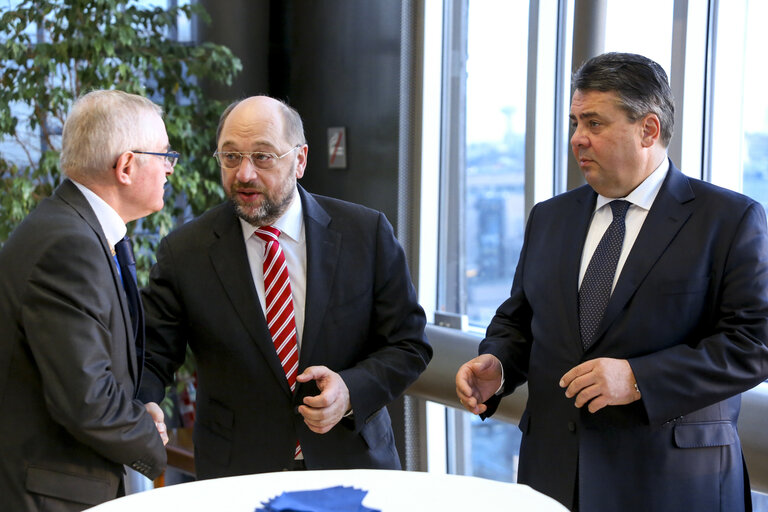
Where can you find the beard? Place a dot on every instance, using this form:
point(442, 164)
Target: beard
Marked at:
point(272, 206)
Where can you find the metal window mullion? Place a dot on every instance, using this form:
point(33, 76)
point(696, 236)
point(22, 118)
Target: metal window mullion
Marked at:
point(452, 288)
point(709, 92)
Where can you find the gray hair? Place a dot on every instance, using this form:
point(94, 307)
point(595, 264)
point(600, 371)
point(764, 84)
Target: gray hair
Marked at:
point(102, 125)
point(293, 130)
point(640, 83)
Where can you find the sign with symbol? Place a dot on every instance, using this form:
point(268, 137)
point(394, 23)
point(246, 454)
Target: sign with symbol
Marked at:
point(337, 148)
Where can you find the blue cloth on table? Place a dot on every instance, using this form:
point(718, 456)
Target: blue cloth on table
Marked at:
point(331, 499)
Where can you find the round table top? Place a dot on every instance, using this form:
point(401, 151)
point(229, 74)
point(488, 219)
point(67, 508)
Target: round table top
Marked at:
point(388, 491)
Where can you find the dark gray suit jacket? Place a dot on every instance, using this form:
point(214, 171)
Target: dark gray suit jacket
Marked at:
point(689, 312)
point(361, 321)
point(68, 369)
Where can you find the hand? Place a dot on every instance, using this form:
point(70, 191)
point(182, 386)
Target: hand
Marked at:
point(600, 382)
point(477, 380)
point(156, 412)
point(322, 412)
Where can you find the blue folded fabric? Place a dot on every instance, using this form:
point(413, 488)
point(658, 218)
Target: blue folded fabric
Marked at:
point(330, 499)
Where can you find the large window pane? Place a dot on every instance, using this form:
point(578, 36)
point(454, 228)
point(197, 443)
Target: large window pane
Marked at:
point(495, 449)
point(646, 30)
point(739, 128)
point(497, 43)
point(751, 92)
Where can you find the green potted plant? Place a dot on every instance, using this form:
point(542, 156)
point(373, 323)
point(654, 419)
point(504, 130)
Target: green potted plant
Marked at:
point(51, 52)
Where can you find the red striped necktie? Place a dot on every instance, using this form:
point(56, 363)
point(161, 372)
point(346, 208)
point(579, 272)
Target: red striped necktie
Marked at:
point(280, 314)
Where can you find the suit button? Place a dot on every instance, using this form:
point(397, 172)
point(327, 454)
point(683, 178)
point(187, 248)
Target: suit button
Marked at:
point(571, 426)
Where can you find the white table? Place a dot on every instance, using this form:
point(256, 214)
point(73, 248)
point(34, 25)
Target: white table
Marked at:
point(388, 491)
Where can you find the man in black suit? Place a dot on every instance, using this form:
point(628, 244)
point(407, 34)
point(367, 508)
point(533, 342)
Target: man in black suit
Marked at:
point(69, 368)
point(633, 404)
point(356, 330)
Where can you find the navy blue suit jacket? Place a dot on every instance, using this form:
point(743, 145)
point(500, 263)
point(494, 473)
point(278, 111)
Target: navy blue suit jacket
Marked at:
point(689, 312)
point(361, 321)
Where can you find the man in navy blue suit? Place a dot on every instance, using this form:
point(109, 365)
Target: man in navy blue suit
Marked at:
point(632, 407)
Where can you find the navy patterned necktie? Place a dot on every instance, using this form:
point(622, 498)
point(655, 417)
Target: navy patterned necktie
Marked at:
point(598, 279)
point(127, 265)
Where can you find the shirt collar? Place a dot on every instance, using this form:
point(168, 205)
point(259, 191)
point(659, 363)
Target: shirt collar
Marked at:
point(290, 224)
point(645, 193)
point(111, 223)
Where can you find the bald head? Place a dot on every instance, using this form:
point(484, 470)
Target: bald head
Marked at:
point(262, 112)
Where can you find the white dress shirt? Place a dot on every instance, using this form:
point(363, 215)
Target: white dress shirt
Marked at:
point(111, 223)
point(640, 201)
point(293, 243)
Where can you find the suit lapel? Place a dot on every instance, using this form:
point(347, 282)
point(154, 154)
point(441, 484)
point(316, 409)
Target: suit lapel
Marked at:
point(70, 194)
point(669, 212)
point(230, 262)
point(323, 246)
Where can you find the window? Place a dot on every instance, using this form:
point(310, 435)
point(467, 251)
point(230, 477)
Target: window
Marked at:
point(484, 154)
point(497, 44)
point(629, 29)
point(485, 77)
point(739, 151)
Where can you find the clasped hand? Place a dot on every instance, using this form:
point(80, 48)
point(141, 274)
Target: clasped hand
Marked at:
point(158, 416)
point(322, 412)
point(600, 382)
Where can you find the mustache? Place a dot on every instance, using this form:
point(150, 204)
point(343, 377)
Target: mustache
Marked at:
point(250, 185)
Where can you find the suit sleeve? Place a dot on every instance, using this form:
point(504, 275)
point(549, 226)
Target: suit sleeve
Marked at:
point(166, 343)
point(68, 311)
point(730, 355)
point(508, 336)
point(401, 352)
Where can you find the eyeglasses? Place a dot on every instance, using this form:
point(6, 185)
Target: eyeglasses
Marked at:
point(259, 159)
point(170, 158)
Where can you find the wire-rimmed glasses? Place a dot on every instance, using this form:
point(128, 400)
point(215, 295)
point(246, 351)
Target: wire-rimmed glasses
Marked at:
point(170, 158)
point(260, 159)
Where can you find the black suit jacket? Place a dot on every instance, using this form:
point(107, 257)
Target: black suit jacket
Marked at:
point(68, 368)
point(689, 312)
point(361, 321)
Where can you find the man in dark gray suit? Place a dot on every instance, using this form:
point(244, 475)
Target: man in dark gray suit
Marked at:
point(69, 370)
point(355, 328)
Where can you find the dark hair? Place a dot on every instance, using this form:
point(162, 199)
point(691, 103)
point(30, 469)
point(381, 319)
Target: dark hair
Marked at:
point(640, 83)
point(294, 128)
